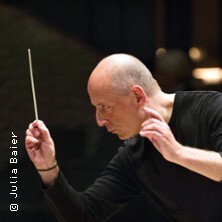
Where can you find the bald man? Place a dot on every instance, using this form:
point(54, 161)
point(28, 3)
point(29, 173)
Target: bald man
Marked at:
point(171, 153)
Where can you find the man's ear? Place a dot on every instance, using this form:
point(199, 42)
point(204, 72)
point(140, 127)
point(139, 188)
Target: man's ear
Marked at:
point(139, 95)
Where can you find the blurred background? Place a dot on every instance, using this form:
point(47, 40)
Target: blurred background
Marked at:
point(179, 41)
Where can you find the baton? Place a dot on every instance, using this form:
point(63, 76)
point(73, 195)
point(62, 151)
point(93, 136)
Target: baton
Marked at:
point(32, 85)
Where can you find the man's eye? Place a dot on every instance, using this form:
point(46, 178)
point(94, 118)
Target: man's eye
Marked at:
point(104, 108)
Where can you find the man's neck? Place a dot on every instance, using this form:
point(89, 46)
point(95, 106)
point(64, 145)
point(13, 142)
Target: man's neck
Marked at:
point(165, 102)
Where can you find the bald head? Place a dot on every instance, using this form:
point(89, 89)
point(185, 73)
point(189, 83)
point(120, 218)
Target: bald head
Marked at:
point(120, 72)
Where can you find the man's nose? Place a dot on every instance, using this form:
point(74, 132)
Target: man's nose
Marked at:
point(100, 119)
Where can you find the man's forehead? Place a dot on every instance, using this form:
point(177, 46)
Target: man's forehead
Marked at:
point(104, 97)
point(101, 98)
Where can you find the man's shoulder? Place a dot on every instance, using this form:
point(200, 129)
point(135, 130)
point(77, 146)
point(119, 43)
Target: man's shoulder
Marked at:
point(196, 97)
point(198, 93)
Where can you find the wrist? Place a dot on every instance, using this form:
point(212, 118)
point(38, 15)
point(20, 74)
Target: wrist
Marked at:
point(49, 175)
point(178, 154)
point(49, 168)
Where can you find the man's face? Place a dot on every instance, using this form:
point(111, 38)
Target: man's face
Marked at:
point(118, 113)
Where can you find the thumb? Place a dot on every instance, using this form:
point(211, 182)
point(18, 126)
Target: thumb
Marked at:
point(45, 134)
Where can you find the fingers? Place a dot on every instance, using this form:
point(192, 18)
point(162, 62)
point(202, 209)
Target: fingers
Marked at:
point(151, 135)
point(151, 131)
point(152, 126)
point(150, 113)
point(38, 129)
point(150, 123)
point(42, 128)
point(154, 129)
point(36, 132)
point(31, 142)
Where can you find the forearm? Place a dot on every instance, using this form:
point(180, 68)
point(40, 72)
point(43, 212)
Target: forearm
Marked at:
point(64, 201)
point(205, 162)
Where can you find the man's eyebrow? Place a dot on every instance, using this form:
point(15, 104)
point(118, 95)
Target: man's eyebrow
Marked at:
point(102, 106)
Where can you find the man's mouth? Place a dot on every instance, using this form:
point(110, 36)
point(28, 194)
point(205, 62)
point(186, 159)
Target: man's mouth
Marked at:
point(111, 131)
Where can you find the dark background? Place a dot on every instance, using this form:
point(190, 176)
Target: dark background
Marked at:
point(67, 40)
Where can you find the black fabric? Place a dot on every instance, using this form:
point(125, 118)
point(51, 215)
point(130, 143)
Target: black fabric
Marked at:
point(138, 168)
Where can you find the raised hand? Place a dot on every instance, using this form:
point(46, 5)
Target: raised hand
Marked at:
point(41, 151)
point(158, 132)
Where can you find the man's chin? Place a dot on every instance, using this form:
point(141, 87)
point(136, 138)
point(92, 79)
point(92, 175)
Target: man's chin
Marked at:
point(124, 137)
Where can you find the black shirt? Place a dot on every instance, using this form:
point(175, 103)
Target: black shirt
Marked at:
point(138, 168)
